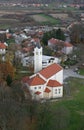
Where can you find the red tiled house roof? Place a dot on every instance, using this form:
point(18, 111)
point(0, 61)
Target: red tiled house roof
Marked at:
point(53, 41)
point(53, 83)
point(50, 70)
point(2, 46)
point(67, 44)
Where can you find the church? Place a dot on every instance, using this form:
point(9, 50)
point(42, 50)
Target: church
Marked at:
point(45, 83)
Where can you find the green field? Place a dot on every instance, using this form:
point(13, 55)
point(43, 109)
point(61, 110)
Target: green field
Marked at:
point(73, 105)
point(4, 26)
point(45, 19)
point(81, 71)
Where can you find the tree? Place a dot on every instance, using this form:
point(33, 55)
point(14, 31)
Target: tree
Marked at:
point(45, 38)
point(6, 69)
point(9, 80)
point(60, 35)
point(17, 91)
point(2, 37)
point(77, 33)
point(47, 51)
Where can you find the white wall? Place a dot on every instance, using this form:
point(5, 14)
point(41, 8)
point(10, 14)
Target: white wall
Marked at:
point(59, 76)
point(2, 51)
point(36, 88)
point(67, 50)
point(57, 92)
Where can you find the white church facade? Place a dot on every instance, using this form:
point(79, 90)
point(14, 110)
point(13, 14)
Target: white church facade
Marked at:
point(45, 83)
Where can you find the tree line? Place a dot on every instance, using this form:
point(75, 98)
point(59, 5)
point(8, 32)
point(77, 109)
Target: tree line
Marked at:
point(57, 34)
point(18, 113)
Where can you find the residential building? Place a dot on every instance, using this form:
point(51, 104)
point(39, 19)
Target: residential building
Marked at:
point(2, 48)
point(68, 48)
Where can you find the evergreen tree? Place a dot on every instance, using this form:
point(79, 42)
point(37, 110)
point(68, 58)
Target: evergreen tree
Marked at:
point(9, 80)
point(60, 35)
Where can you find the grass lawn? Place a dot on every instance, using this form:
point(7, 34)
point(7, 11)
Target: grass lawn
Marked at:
point(4, 26)
point(81, 71)
point(49, 19)
point(74, 104)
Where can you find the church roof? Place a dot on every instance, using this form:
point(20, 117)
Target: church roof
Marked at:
point(36, 80)
point(53, 83)
point(50, 70)
point(2, 46)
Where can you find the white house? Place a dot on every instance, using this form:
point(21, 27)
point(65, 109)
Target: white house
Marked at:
point(47, 83)
point(68, 48)
point(19, 37)
point(2, 48)
point(46, 60)
point(52, 43)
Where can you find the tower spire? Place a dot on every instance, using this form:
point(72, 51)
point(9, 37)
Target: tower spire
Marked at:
point(37, 59)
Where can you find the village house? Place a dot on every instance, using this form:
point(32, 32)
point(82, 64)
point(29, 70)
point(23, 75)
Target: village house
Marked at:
point(59, 45)
point(52, 43)
point(3, 47)
point(19, 37)
point(68, 48)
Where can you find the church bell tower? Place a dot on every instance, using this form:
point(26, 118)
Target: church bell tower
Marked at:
point(37, 59)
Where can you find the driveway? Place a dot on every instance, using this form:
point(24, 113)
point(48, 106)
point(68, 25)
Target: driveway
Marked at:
point(70, 73)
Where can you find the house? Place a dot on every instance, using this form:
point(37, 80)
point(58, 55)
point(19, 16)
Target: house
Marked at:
point(55, 44)
point(52, 43)
point(19, 37)
point(47, 83)
point(68, 48)
point(2, 48)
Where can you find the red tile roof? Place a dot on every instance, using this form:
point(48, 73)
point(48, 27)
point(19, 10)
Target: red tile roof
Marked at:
point(36, 80)
point(37, 92)
point(67, 44)
point(54, 41)
point(53, 83)
point(47, 90)
point(50, 70)
point(2, 46)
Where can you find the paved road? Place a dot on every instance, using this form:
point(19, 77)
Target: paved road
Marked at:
point(70, 73)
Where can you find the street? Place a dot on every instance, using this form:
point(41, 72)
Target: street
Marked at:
point(70, 73)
